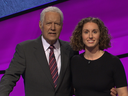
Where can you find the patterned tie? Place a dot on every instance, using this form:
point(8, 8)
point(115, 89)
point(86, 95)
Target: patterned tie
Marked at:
point(53, 65)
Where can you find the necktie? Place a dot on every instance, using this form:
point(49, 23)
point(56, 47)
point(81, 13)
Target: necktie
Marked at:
point(53, 65)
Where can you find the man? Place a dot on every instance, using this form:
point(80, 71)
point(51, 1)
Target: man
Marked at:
point(33, 62)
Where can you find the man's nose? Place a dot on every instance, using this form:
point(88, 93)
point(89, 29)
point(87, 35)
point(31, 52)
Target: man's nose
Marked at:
point(52, 26)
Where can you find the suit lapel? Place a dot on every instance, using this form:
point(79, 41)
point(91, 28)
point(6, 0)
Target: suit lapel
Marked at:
point(41, 57)
point(64, 62)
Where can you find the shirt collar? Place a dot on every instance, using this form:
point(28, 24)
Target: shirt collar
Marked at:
point(46, 45)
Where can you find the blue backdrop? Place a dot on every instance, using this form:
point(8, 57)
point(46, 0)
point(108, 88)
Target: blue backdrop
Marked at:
point(8, 7)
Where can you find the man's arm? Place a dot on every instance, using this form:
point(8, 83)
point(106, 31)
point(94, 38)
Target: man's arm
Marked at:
point(12, 74)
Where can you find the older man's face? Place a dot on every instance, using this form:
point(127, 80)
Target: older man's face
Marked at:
point(51, 27)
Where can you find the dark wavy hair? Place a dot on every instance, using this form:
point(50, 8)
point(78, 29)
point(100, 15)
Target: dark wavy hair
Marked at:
point(76, 38)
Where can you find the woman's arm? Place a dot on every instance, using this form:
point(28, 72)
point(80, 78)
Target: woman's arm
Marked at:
point(113, 92)
point(122, 91)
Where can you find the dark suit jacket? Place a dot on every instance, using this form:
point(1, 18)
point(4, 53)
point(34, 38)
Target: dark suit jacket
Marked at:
point(30, 61)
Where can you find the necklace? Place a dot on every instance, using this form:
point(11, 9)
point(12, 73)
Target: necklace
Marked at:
point(89, 61)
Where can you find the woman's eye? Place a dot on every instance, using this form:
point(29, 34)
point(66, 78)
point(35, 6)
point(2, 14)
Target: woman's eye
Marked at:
point(86, 32)
point(95, 32)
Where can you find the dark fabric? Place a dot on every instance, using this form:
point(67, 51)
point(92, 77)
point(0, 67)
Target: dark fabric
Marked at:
point(53, 65)
point(30, 61)
point(96, 78)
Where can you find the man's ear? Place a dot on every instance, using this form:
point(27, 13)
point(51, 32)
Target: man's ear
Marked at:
point(62, 24)
point(40, 24)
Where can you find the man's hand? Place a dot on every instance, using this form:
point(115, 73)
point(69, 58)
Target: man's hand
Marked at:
point(113, 92)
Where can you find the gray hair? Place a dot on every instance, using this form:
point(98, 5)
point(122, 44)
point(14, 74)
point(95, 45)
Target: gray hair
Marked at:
point(51, 9)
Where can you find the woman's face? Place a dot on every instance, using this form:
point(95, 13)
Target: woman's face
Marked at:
point(91, 35)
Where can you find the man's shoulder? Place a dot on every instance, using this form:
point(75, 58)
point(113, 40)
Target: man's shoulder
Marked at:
point(64, 42)
point(66, 45)
point(30, 42)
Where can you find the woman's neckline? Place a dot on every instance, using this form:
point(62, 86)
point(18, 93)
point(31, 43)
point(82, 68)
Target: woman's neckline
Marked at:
point(94, 59)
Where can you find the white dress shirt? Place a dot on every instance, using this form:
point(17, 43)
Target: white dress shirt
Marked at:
point(56, 52)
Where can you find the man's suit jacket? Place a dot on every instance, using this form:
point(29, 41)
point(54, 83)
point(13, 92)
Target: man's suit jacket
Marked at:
point(30, 61)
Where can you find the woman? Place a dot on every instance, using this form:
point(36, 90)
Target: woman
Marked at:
point(95, 71)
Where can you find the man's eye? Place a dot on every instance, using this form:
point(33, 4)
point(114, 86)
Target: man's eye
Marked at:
point(48, 23)
point(57, 23)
